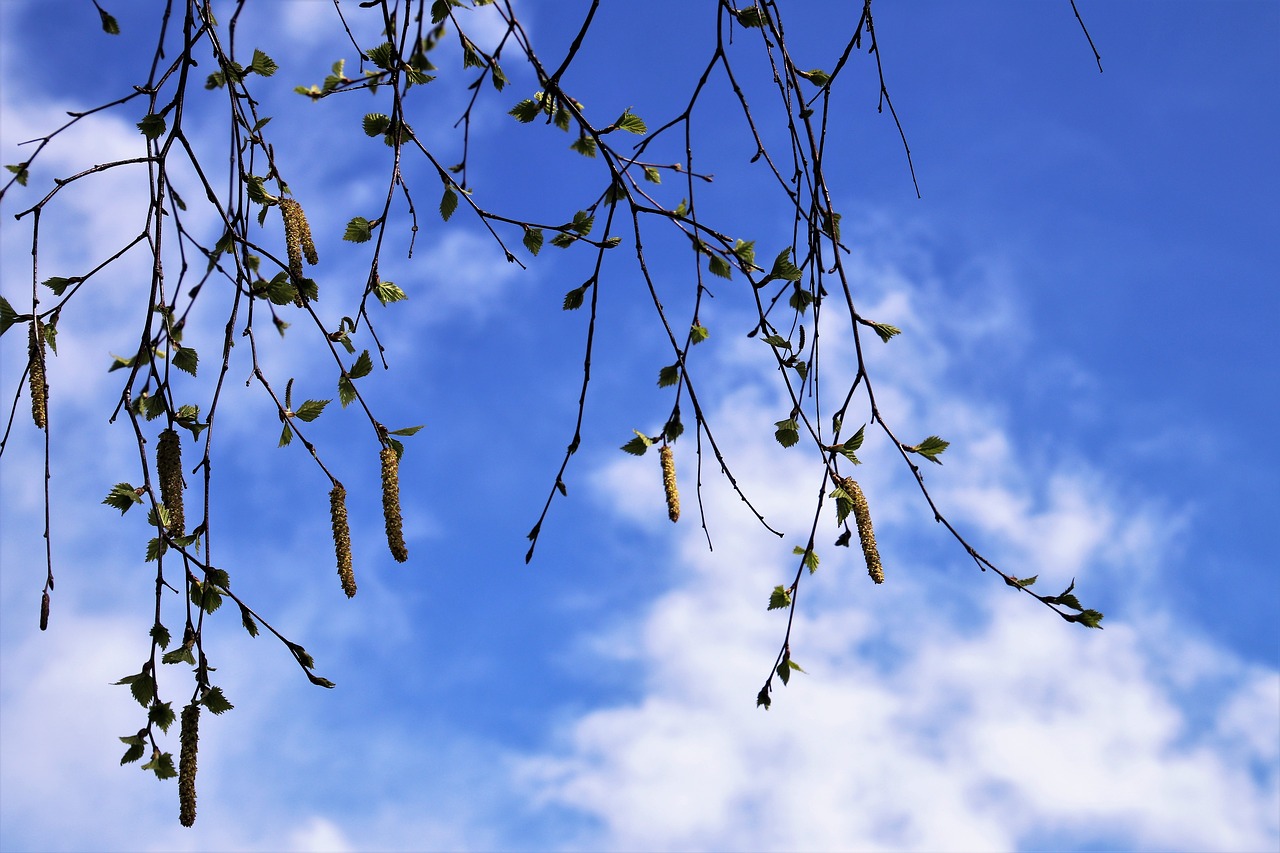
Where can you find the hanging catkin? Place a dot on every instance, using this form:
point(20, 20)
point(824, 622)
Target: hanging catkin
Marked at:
point(391, 504)
point(189, 740)
point(669, 482)
point(39, 385)
point(342, 538)
point(866, 534)
point(169, 469)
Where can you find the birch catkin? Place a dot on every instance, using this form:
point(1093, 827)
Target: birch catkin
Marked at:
point(297, 237)
point(391, 504)
point(39, 386)
point(189, 739)
point(169, 468)
point(342, 538)
point(669, 482)
point(866, 534)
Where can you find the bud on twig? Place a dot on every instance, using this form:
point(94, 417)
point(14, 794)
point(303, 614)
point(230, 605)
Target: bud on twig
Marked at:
point(342, 538)
point(669, 482)
point(169, 469)
point(391, 504)
point(39, 386)
point(189, 738)
point(866, 534)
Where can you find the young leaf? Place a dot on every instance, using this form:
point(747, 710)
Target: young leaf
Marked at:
point(247, 620)
point(448, 203)
point(162, 766)
point(573, 299)
point(787, 432)
point(584, 145)
point(526, 111)
point(533, 240)
point(407, 431)
point(160, 714)
point(783, 268)
point(669, 375)
point(152, 126)
point(186, 359)
point(122, 496)
point(263, 64)
point(375, 124)
point(779, 598)
point(652, 175)
point(215, 701)
point(346, 391)
point(720, 267)
point(359, 230)
point(286, 436)
point(133, 753)
point(20, 170)
point(7, 315)
point(885, 331)
point(698, 333)
point(810, 558)
point(929, 448)
point(638, 445)
point(387, 292)
point(310, 409)
point(631, 123)
point(362, 367)
point(111, 27)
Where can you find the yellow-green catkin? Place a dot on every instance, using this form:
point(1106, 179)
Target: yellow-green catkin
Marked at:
point(39, 385)
point(169, 469)
point(189, 738)
point(297, 237)
point(391, 504)
point(669, 482)
point(342, 538)
point(866, 534)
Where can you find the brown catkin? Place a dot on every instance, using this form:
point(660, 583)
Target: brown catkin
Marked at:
point(169, 468)
point(189, 738)
point(669, 482)
point(39, 385)
point(391, 504)
point(44, 611)
point(342, 538)
point(866, 534)
point(294, 221)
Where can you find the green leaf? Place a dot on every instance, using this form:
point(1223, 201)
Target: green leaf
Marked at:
point(563, 240)
point(382, 56)
point(375, 124)
point(448, 203)
point(263, 64)
point(122, 496)
point(752, 16)
point(359, 230)
point(1022, 583)
point(674, 427)
point(346, 391)
point(58, 284)
point(831, 225)
point(7, 315)
point(407, 431)
point(182, 654)
point(584, 145)
point(573, 299)
point(800, 299)
point(817, 77)
point(583, 222)
point(247, 620)
point(669, 375)
point(152, 126)
point(133, 753)
point(160, 636)
point(783, 268)
point(215, 701)
point(526, 111)
point(110, 25)
point(19, 169)
point(160, 714)
point(204, 596)
point(929, 448)
point(698, 333)
point(779, 598)
point(777, 341)
point(286, 436)
point(386, 293)
point(745, 252)
point(810, 558)
point(1088, 618)
point(533, 239)
point(638, 445)
point(631, 123)
point(187, 360)
point(162, 766)
point(362, 367)
point(310, 409)
point(762, 698)
point(652, 175)
point(787, 432)
point(885, 331)
point(720, 267)
point(143, 688)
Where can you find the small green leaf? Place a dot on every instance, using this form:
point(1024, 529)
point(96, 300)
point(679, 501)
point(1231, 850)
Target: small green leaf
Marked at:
point(143, 688)
point(783, 268)
point(745, 252)
point(698, 333)
point(263, 64)
point(1022, 583)
point(563, 240)
point(160, 714)
point(122, 497)
point(359, 230)
point(362, 367)
point(631, 123)
point(215, 701)
point(386, 292)
point(583, 222)
point(286, 436)
point(375, 124)
point(929, 448)
point(810, 558)
point(800, 299)
point(526, 111)
point(133, 753)
point(162, 766)
point(310, 409)
point(638, 445)
point(720, 267)
point(182, 654)
point(652, 175)
point(777, 341)
point(762, 698)
point(346, 391)
point(20, 170)
point(160, 635)
point(448, 203)
point(407, 431)
point(1088, 618)
point(152, 126)
point(669, 375)
point(584, 145)
point(817, 77)
point(186, 359)
point(779, 598)
point(752, 16)
point(885, 331)
point(204, 596)
point(573, 299)
point(7, 315)
point(787, 432)
point(110, 25)
point(533, 240)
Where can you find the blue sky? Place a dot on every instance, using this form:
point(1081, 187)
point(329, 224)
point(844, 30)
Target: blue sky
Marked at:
point(1087, 290)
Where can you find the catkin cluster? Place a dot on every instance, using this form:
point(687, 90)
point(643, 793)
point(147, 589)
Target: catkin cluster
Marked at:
point(169, 469)
point(189, 739)
point(297, 237)
point(342, 538)
point(669, 482)
point(39, 386)
point(866, 534)
point(391, 504)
